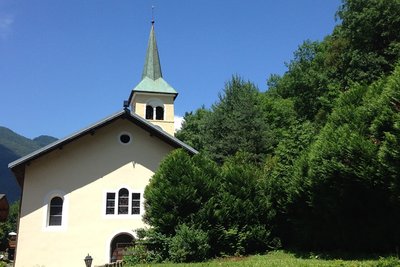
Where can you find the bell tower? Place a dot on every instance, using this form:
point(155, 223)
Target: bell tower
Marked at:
point(153, 98)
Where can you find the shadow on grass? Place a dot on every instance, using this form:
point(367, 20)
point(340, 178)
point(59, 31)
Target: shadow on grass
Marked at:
point(340, 255)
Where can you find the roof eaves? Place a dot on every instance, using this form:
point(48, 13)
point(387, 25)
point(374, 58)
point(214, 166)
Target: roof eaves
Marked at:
point(63, 141)
point(143, 123)
point(162, 134)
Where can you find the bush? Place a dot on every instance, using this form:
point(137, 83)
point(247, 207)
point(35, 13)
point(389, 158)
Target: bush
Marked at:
point(189, 245)
point(150, 247)
point(137, 255)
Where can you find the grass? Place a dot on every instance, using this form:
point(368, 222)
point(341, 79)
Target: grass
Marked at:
point(281, 259)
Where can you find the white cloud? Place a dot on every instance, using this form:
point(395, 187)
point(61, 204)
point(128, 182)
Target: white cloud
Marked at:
point(6, 22)
point(178, 120)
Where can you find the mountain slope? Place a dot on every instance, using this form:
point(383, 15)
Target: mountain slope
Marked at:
point(12, 147)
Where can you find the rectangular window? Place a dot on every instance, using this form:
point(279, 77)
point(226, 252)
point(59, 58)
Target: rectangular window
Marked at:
point(135, 203)
point(110, 203)
point(55, 215)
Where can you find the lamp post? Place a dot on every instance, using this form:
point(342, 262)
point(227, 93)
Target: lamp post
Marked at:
point(88, 260)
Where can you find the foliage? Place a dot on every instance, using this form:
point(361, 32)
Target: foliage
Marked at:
point(351, 189)
point(10, 225)
point(137, 254)
point(241, 213)
point(224, 202)
point(313, 162)
point(306, 82)
point(372, 40)
point(179, 189)
point(243, 120)
point(189, 245)
point(194, 128)
point(285, 259)
point(236, 123)
point(388, 262)
point(150, 247)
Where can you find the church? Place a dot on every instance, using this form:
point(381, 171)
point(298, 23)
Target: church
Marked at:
point(83, 194)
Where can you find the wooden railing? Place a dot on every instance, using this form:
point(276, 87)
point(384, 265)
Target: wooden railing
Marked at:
point(114, 264)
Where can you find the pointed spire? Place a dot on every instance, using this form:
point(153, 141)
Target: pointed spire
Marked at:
point(152, 80)
point(152, 66)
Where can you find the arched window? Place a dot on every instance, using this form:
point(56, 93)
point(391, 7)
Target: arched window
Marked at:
point(123, 201)
point(56, 208)
point(159, 113)
point(149, 112)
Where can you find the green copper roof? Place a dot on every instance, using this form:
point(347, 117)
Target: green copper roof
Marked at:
point(152, 80)
point(152, 66)
point(154, 86)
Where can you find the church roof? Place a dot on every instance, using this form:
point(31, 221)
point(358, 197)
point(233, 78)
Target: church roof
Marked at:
point(152, 66)
point(154, 86)
point(152, 80)
point(18, 166)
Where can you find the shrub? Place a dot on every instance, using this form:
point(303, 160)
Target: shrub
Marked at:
point(189, 245)
point(150, 247)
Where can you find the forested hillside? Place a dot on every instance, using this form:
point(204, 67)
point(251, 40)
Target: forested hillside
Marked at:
point(12, 147)
point(312, 163)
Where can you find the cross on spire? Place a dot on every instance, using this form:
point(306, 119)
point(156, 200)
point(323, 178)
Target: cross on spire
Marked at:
point(152, 14)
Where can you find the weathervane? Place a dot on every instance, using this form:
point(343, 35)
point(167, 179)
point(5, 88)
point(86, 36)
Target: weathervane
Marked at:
point(152, 14)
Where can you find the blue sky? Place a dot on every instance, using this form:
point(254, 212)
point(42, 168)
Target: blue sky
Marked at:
point(67, 64)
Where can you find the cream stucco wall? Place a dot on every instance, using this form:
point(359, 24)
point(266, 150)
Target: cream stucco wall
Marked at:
point(140, 100)
point(82, 172)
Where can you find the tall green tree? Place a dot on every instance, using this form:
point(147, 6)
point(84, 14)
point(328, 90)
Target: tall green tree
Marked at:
point(352, 174)
point(236, 122)
point(180, 188)
point(194, 128)
point(241, 218)
point(306, 80)
point(368, 40)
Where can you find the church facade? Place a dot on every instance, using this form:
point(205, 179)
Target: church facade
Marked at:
point(84, 194)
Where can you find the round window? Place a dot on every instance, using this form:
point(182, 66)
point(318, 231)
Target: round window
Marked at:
point(125, 138)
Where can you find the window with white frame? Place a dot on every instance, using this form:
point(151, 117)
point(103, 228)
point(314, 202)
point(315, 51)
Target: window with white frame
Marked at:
point(55, 212)
point(123, 202)
point(135, 203)
point(110, 203)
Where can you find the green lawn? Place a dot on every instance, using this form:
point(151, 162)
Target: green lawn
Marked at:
point(280, 259)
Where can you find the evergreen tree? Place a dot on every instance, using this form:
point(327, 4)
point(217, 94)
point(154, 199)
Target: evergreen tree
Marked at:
point(236, 122)
point(352, 187)
point(194, 128)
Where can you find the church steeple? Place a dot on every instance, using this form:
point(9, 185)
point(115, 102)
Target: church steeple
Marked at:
point(152, 66)
point(153, 98)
